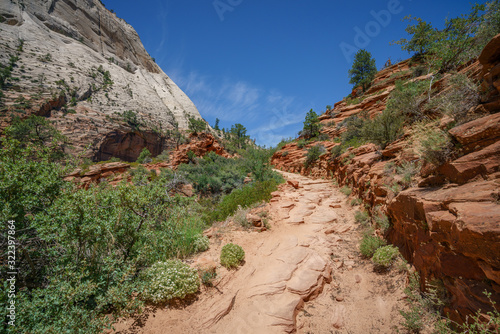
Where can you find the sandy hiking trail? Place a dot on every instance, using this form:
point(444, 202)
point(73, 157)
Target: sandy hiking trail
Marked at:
point(303, 275)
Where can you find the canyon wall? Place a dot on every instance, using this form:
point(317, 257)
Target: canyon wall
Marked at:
point(446, 219)
point(82, 67)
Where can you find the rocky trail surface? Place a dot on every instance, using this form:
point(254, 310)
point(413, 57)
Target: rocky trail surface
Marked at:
point(303, 275)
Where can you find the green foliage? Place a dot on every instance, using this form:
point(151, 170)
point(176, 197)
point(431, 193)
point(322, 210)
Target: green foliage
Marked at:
point(423, 36)
point(362, 217)
point(163, 156)
point(370, 244)
point(144, 156)
point(244, 197)
point(311, 125)
point(461, 39)
point(167, 280)
point(385, 256)
point(201, 243)
point(384, 128)
point(356, 201)
point(363, 69)
point(197, 125)
point(432, 144)
point(313, 154)
point(408, 170)
point(130, 117)
point(346, 190)
point(406, 98)
point(239, 135)
point(301, 143)
point(214, 174)
point(231, 255)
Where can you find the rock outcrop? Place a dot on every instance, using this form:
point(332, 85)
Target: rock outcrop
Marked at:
point(446, 219)
point(87, 70)
point(199, 145)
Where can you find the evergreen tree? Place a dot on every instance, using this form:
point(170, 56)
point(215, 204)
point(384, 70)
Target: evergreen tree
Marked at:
point(216, 126)
point(311, 125)
point(363, 69)
point(239, 134)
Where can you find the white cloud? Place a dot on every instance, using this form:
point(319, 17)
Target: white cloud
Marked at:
point(267, 115)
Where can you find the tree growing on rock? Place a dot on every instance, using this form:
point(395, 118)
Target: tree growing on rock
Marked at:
point(363, 69)
point(311, 125)
point(197, 125)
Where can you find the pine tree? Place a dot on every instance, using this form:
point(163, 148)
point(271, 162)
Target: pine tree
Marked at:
point(363, 69)
point(311, 125)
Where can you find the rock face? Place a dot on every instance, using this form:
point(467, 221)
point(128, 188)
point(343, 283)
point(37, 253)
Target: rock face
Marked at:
point(446, 220)
point(83, 67)
point(200, 144)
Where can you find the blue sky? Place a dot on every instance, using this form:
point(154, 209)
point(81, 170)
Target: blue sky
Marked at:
point(266, 63)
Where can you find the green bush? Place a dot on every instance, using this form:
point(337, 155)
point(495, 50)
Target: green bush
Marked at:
point(313, 154)
point(433, 144)
point(301, 143)
point(362, 217)
point(370, 244)
point(382, 221)
point(168, 280)
point(201, 243)
point(385, 256)
point(144, 156)
point(231, 255)
point(346, 190)
point(244, 197)
point(356, 201)
point(197, 125)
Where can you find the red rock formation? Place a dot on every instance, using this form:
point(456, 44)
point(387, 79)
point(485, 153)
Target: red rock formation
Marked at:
point(449, 227)
point(200, 144)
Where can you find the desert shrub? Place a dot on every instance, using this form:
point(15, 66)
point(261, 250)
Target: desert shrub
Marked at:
point(284, 153)
point(432, 144)
point(240, 217)
point(130, 117)
point(167, 280)
point(244, 197)
point(301, 143)
point(385, 256)
point(201, 243)
point(336, 151)
point(408, 170)
point(231, 255)
point(406, 98)
point(356, 201)
point(163, 156)
point(362, 217)
point(313, 154)
point(144, 156)
point(197, 125)
point(346, 190)
point(208, 277)
point(382, 221)
point(384, 128)
point(214, 175)
point(140, 175)
point(370, 244)
point(457, 101)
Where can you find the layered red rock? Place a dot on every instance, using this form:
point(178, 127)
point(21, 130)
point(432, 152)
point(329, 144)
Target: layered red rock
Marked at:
point(200, 144)
point(450, 227)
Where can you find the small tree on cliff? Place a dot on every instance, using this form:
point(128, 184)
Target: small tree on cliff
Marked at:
point(197, 125)
point(363, 70)
point(239, 135)
point(311, 125)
